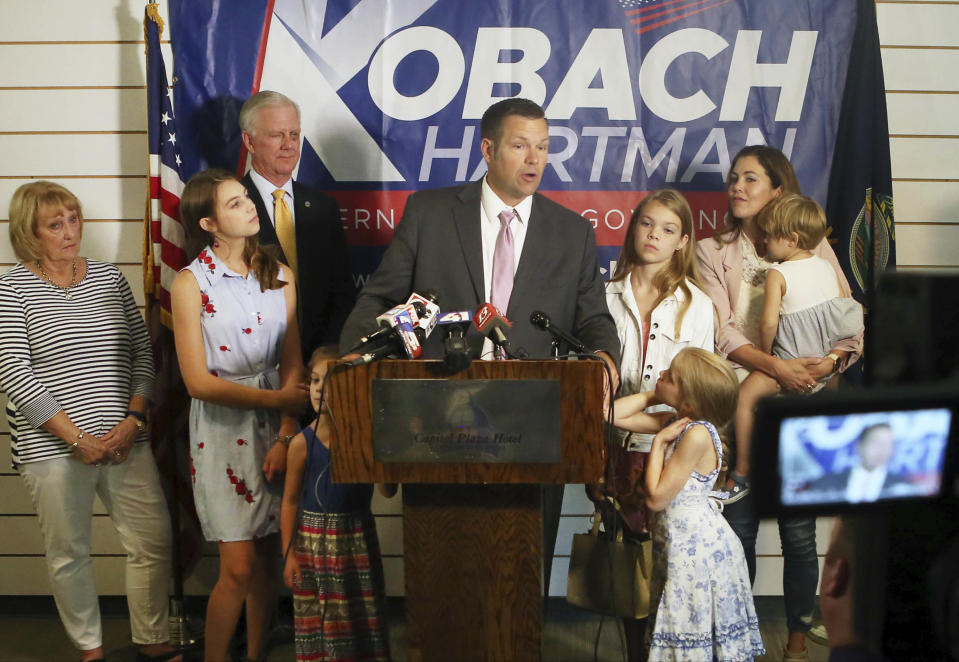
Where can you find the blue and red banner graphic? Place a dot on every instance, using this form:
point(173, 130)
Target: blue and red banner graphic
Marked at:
point(639, 94)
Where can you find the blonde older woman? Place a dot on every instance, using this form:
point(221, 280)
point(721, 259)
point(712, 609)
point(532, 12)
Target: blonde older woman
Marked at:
point(76, 364)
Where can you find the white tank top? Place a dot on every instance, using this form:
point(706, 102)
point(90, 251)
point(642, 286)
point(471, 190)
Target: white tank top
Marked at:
point(809, 282)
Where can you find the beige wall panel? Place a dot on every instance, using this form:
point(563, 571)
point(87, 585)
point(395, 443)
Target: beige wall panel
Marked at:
point(924, 158)
point(90, 20)
point(767, 543)
point(902, 25)
point(934, 244)
point(51, 156)
point(570, 525)
point(15, 500)
point(389, 530)
point(22, 536)
point(134, 275)
point(27, 575)
point(73, 110)
point(769, 575)
point(575, 501)
point(393, 574)
point(101, 197)
point(6, 469)
point(929, 202)
point(921, 69)
point(76, 65)
point(383, 506)
point(203, 577)
point(923, 114)
point(107, 241)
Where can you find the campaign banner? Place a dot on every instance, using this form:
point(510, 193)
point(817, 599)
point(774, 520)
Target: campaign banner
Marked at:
point(638, 94)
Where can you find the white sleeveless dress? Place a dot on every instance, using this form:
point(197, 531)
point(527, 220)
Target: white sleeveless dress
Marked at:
point(243, 332)
point(701, 601)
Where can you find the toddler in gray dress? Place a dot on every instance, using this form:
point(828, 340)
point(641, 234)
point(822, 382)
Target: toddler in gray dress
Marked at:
point(804, 311)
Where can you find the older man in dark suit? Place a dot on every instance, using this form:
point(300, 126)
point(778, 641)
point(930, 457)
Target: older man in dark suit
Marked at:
point(497, 240)
point(303, 221)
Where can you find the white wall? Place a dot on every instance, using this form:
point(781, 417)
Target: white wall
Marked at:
point(74, 110)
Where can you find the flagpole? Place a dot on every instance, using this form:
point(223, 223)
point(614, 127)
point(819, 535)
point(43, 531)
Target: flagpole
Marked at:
point(181, 635)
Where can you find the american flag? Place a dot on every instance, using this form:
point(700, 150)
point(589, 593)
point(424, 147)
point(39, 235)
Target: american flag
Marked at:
point(163, 257)
point(164, 254)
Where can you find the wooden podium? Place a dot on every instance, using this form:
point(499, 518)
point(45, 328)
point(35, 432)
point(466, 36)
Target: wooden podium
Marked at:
point(472, 529)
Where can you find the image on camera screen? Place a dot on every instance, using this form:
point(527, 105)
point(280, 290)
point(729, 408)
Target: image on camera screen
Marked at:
point(862, 457)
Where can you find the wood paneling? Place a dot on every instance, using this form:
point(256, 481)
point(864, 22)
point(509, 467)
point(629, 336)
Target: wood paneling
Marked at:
point(51, 156)
point(933, 244)
point(919, 69)
point(925, 158)
point(903, 25)
point(73, 110)
point(75, 65)
point(580, 414)
point(90, 20)
point(930, 202)
point(923, 114)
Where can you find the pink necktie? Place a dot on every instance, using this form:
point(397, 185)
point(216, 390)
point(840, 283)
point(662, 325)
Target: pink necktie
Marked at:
point(503, 261)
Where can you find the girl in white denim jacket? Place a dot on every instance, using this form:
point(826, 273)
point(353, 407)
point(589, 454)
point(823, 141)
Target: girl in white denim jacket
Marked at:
point(659, 309)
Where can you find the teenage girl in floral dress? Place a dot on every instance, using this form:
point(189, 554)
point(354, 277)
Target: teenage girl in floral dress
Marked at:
point(234, 318)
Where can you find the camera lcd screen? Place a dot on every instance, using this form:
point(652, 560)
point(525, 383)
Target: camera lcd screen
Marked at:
point(859, 458)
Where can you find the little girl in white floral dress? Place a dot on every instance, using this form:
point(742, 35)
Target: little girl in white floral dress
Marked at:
point(701, 603)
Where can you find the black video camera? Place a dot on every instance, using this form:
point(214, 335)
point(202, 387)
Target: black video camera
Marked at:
point(838, 452)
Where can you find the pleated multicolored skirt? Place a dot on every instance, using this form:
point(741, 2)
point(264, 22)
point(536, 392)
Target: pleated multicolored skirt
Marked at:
point(339, 609)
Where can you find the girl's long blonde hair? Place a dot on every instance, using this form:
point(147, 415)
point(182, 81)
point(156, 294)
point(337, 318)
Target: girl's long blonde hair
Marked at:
point(710, 389)
point(682, 265)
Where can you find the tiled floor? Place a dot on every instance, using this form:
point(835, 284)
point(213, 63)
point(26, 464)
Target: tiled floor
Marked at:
point(30, 632)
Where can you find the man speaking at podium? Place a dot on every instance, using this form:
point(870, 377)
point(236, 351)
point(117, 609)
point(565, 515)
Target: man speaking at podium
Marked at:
point(499, 241)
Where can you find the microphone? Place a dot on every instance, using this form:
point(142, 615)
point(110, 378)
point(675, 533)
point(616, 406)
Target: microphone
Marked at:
point(491, 324)
point(401, 338)
point(427, 310)
point(422, 310)
point(456, 355)
point(541, 320)
point(385, 323)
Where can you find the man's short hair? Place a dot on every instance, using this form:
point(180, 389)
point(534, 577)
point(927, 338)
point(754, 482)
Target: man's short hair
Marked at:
point(491, 126)
point(263, 99)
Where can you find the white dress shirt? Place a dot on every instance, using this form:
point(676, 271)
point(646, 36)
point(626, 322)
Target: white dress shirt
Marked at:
point(265, 188)
point(490, 225)
point(865, 485)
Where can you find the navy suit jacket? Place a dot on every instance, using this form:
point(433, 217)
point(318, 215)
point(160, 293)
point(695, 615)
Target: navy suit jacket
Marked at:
point(325, 284)
point(438, 246)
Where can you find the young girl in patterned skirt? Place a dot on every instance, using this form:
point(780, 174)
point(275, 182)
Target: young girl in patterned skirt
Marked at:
point(701, 602)
point(333, 559)
point(234, 320)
